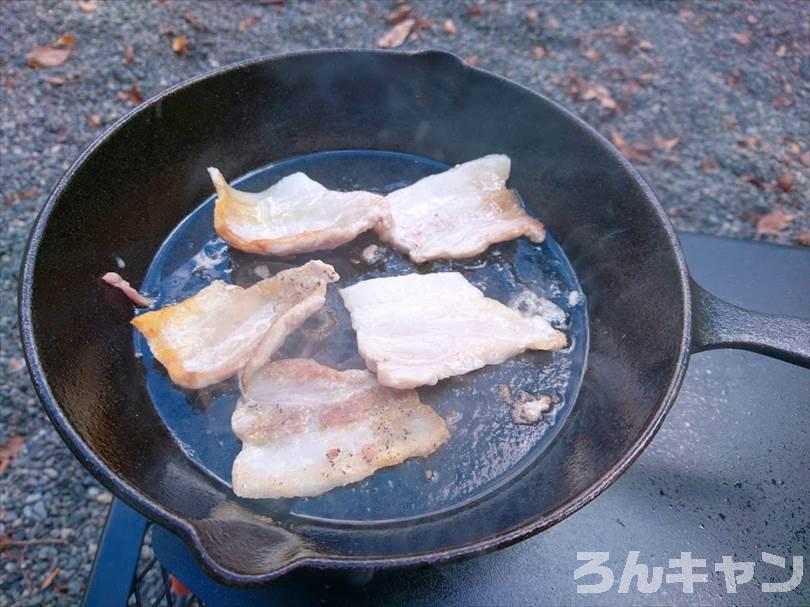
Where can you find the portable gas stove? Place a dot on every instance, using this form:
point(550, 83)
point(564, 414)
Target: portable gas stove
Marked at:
point(724, 485)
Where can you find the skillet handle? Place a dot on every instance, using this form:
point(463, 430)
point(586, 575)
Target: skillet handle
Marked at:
point(719, 324)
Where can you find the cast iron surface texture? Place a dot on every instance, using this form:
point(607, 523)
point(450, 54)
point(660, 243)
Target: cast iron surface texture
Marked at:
point(726, 475)
point(136, 183)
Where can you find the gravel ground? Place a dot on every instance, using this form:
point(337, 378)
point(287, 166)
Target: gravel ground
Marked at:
point(709, 99)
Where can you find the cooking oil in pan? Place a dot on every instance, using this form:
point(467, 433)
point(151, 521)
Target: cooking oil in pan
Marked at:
point(486, 447)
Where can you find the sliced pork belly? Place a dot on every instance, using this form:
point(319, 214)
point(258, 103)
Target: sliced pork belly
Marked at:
point(210, 336)
point(296, 215)
point(307, 428)
point(416, 329)
point(458, 213)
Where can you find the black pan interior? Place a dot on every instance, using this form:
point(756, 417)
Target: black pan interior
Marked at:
point(485, 450)
point(137, 183)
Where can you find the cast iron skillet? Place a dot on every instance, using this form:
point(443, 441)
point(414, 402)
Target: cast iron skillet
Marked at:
point(134, 184)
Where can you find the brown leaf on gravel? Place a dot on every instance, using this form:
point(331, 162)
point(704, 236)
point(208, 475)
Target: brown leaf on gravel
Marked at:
point(749, 142)
point(65, 40)
point(135, 94)
point(601, 94)
point(94, 121)
point(8, 451)
point(129, 55)
point(685, 13)
point(805, 159)
point(752, 19)
point(421, 24)
point(646, 77)
point(663, 144)
point(645, 45)
point(122, 95)
point(532, 15)
point(55, 80)
point(553, 22)
point(471, 60)
point(593, 56)
point(449, 27)
point(709, 165)
point(50, 578)
point(168, 30)
point(742, 38)
point(786, 182)
point(803, 238)
point(179, 44)
point(248, 22)
point(633, 152)
point(755, 180)
point(476, 10)
point(195, 23)
point(87, 6)
point(773, 223)
point(781, 50)
point(397, 35)
point(538, 52)
point(44, 56)
point(399, 14)
point(10, 199)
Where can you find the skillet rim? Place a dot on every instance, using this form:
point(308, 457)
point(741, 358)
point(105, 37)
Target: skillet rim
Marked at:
point(183, 526)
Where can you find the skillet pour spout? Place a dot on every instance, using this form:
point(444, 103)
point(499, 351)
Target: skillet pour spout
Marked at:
point(142, 177)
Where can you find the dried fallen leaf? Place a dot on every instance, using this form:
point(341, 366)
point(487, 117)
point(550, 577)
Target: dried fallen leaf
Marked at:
point(399, 14)
point(135, 94)
point(43, 56)
point(94, 121)
point(248, 22)
point(755, 180)
point(9, 450)
point(195, 23)
point(749, 142)
point(781, 50)
point(420, 25)
point(634, 152)
point(471, 60)
point(476, 11)
point(122, 95)
point(773, 223)
point(168, 30)
point(532, 15)
point(786, 182)
point(449, 27)
point(793, 147)
point(87, 6)
point(50, 578)
point(803, 238)
point(65, 40)
point(538, 52)
point(709, 165)
point(752, 19)
point(55, 80)
point(742, 38)
point(645, 45)
point(601, 94)
point(129, 55)
point(663, 144)
point(179, 44)
point(553, 22)
point(646, 77)
point(397, 35)
point(805, 159)
point(593, 55)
